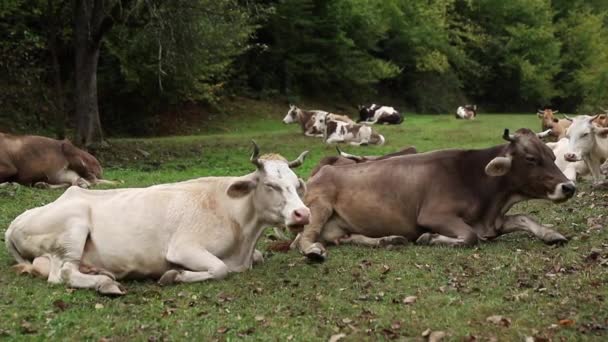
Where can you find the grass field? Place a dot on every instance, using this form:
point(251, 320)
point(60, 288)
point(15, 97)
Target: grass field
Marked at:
point(551, 293)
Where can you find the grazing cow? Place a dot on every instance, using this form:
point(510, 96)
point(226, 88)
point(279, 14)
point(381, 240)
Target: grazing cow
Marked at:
point(557, 126)
point(379, 114)
point(46, 162)
point(589, 143)
point(447, 197)
point(570, 170)
point(353, 134)
point(346, 159)
point(181, 232)
point(305, 118)
point(466, 112)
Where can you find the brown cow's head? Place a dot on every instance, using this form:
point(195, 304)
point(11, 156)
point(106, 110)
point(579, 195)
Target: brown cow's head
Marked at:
point(530, 168)
point(81, 161)
point(547, 117)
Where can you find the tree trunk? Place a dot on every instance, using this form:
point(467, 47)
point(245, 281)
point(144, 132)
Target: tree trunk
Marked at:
point(58, 94)
point(90, 24)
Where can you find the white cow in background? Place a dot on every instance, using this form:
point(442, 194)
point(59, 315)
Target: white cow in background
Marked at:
point(589, 143)
point(181, 232)
point(570, 169)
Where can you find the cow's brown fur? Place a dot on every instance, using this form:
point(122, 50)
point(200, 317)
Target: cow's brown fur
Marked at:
point(557, 126)
point(341, 160)
point(30, 159)
point(448, 193)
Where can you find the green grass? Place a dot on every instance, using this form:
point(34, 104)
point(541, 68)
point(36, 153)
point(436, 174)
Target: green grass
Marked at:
point(287, 298)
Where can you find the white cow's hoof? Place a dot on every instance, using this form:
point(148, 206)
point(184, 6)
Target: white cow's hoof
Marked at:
point(168, 278)
point(316, 252)
point(424, 239)
point(604, 169)
point(111, 288)
point(392, 240)
point(258, 257)
point(81, 182)
point(555, 238)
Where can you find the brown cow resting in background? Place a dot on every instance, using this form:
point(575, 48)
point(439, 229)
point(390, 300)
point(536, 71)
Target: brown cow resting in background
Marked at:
point(346, 159)
point(46, 162)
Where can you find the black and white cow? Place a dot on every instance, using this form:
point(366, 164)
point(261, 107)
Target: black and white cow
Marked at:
point(380, 114)
point(466, 112)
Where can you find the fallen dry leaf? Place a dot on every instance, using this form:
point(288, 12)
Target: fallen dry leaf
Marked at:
point(222, 330)
point(336, 337)
point(385, 269)
point(259, 318)
point(61, 305)
point(499, 320)
point(566, 322)
point(27, 328)
point(410, 300)
point(434, 336)
point(98, 306)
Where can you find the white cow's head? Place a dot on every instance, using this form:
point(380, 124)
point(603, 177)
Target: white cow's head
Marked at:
point(275, 189)
point(292, 115)
point(320, 121)
point(583, 134)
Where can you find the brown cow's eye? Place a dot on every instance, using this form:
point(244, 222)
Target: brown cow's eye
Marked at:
point(531, 159)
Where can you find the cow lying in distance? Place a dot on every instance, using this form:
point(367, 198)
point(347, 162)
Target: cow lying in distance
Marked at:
point(572, 170)
point(557, 126)
point(185, 232)
point(379, 114)
point(321, 119)
point(46, 162)
point(344, 158)
point(305, 118)
point(589, 143)
point(466, 112)
point(447, 197)
point(353, 134)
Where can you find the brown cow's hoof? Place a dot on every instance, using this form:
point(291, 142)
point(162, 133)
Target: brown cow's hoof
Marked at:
point(316, 252)
point(41, 185)
point(424, 239)
point(556, 239)
point(393, 240)
point(168, 278)
point(111, 288)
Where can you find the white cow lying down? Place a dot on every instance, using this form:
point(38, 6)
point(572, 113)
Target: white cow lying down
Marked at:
point(181, 232)
point(570, 169)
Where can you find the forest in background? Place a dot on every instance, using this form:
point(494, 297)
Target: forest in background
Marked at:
point(113, 65)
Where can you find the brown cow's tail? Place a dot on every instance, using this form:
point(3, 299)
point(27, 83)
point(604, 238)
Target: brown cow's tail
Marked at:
point(377, 139)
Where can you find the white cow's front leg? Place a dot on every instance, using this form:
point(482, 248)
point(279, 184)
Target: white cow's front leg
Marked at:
point(199, 265)
point(514, 223)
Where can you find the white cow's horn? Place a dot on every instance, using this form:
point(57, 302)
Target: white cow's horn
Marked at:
point(255, 155)
point(298, 161)
point(507, 136)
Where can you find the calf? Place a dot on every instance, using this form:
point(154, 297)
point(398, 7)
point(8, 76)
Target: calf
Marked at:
point(587, 142)
point(46, 162)
point(321, 119)
point(447, 197)
point(353, 134)
point(185, 232)
point(379, 114)
point(466, 112)
point(305, 118)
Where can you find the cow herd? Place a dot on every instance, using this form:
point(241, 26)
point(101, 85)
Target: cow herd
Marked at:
point(336, 128)
point(208, 227)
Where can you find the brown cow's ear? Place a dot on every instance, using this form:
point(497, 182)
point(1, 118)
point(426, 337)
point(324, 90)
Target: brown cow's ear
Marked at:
point(241, 188)
point(498, 166)
point(301, 187)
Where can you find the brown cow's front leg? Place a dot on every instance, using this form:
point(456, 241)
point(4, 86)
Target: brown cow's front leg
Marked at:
point(320, 212)
point(7, 172)
point(446, 230)
point(515, 223)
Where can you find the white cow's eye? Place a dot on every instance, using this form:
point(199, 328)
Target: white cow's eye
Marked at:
point(584, 135)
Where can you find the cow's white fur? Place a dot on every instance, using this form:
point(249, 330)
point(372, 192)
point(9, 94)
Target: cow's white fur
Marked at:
point(342, 134)
point(589, 143)
point(464, 113)
point(571, 169)
point(187, 231)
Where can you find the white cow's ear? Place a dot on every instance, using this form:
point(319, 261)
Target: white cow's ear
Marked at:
point(241, 188)
point(498, 166)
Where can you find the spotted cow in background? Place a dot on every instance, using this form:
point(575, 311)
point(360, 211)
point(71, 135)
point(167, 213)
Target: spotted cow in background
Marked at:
point(379, 114)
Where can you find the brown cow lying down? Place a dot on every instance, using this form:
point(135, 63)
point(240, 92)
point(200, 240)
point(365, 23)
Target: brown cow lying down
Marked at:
point(347, 159)
point(46, 162)
point(447, 197)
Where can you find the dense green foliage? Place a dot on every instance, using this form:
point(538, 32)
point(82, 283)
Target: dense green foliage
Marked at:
point(428, 56)
point(551, 293)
